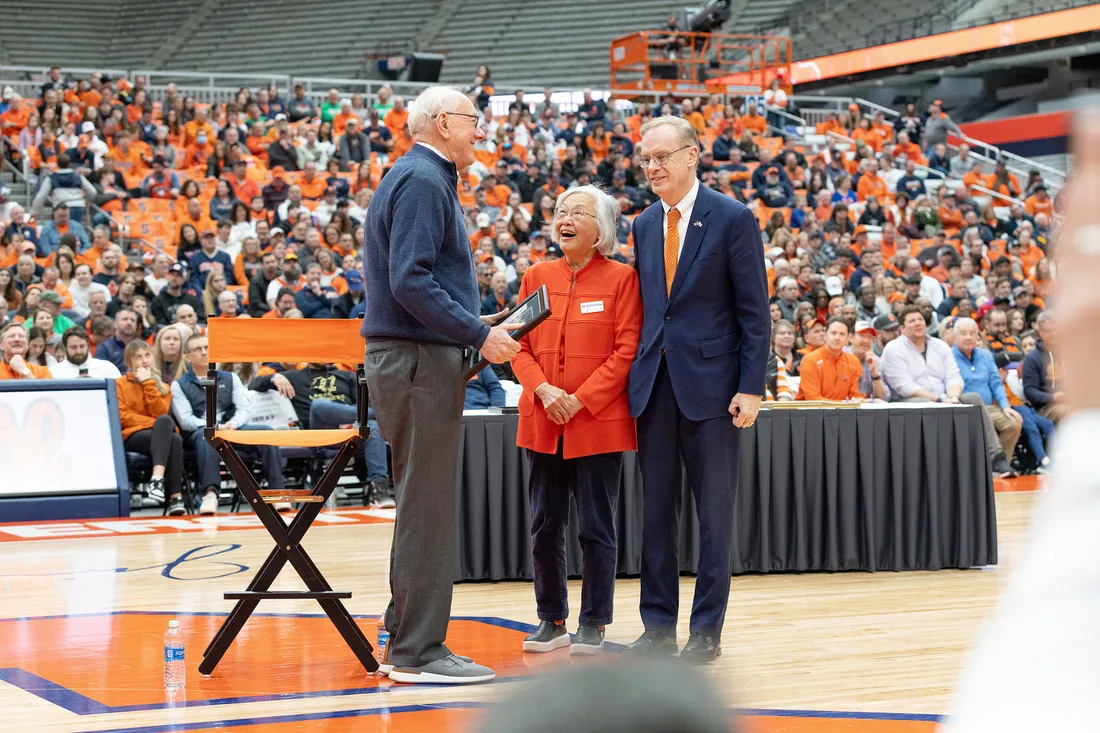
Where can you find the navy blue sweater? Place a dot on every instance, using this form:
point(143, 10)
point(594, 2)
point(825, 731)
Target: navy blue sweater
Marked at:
point(418, 267)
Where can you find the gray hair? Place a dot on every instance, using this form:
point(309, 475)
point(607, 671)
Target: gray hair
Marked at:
point(432, 102)
point(607, 213)
point(686, 132)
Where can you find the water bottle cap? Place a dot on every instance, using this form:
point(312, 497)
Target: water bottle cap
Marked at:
point(173, 624)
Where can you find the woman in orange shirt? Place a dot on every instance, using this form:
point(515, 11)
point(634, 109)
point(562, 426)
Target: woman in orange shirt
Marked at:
point(575, 415)
point(144, 402)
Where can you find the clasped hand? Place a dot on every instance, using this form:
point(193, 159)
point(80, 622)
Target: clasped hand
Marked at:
point(560, 406)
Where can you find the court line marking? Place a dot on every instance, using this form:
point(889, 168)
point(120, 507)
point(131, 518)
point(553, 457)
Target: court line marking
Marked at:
point(79, 704)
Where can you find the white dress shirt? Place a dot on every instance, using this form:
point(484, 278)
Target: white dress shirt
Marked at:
point(685, 207)
point(97, 369)
point(434, 150)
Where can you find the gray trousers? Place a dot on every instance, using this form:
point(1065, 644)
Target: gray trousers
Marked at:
point(417, 392)
point(993, 441)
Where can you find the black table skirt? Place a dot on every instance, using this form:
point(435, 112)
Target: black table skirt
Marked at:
point(821, 490)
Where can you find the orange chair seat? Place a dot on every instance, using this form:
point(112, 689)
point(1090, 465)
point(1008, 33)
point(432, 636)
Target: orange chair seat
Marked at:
point(287, 438)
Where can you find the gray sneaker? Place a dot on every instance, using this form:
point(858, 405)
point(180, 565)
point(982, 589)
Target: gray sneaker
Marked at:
point(448, 670)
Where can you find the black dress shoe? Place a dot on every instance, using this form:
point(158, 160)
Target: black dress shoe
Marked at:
point(701, 649)
point(653, 642)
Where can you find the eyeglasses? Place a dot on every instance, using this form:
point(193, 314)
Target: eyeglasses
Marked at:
point(661, 159)
point(200, 349)
point(475, 118)
point(573, 214)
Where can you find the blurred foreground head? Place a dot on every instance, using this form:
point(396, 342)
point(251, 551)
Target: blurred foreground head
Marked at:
point(632, 696)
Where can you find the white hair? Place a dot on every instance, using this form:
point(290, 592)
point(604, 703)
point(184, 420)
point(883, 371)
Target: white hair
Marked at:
point(607, 213)
point(784, 282)
point(432, 102)
point(966, 322)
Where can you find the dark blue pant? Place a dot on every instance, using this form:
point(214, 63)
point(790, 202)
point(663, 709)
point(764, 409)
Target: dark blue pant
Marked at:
point(210, 462)
point(595, 481)
point(711, 452)
point(1037, 429)
point(326, 414)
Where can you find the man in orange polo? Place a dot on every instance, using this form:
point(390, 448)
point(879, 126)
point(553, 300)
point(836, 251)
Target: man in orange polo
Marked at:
point(829, 372)
point(13, 346)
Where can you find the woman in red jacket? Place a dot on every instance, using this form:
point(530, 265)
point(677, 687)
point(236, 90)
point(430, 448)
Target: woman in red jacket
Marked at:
point(574, 413)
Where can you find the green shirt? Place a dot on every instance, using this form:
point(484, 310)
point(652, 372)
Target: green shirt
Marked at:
point(60, 324)
point(328, 111)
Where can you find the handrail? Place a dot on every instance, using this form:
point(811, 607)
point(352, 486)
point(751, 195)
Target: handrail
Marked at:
point(877, 107)
point(788, 115)
point(996, 195)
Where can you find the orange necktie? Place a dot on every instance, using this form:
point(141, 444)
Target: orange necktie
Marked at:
point(672, 248)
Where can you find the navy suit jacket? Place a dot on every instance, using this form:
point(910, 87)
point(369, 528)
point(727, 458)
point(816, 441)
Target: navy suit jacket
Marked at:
point(714, 327)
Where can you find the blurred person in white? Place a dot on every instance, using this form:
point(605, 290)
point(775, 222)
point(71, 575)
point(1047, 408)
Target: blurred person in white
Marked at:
point(1036, 666)
point(79, 361)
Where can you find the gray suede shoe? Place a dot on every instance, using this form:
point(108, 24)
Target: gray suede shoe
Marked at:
point(448, 670)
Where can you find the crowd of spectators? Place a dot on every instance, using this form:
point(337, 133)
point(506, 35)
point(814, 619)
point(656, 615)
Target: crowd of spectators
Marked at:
point(254, 208)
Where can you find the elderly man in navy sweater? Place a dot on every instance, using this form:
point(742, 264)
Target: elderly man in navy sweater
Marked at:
point(420, 324)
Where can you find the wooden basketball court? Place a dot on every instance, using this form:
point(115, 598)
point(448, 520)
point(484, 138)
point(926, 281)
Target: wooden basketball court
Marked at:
point(84, 606)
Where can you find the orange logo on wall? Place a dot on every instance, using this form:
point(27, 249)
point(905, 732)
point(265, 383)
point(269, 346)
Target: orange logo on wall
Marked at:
point(30, 444)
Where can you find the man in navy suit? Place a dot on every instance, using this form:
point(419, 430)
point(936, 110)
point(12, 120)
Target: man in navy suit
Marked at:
point(696, 382)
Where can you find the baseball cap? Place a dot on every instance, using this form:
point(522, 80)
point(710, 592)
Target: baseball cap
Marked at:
point(861, 229)
point(280, 117)
point(862, 326)
point(208, 232)
point(8, 93)
point(49, 296)
point(1000, 358)
point(482, 220)
point(158, 160)
point(354, 279)
point(87, 127)
point(179, 268)
point(291, 256)
point(553, 251)
point(276, 230)
point(886, 322)
point(833, 285)
point(507, 146)
point(278, 171)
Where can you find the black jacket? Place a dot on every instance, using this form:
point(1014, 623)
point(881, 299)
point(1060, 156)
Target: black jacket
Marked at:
point(327, 383)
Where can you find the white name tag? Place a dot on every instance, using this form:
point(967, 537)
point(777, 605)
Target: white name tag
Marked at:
point(596, 306)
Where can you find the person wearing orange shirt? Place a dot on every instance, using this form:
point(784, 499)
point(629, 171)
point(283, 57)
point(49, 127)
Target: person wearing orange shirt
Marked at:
point(754, 122)
point(867, 135)
point(599, 142)
point(15, 118)
point(910, 150)
point(974, 177)
point(496, 194)
point(243, 188)
point(396, 119)
point(284, 303)
point(1039, 202)
point(831, 124)
point(128, 160)
point(951, 218)
point(870, 184)
point(829, 372)
point(198, 125)
point(713, 111)
point(689, 113)
point(575, 415)
point(14, 345)
point(313, 186)
point(1002, 182)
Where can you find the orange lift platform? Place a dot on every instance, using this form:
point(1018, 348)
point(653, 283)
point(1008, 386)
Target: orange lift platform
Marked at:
point(689, 63)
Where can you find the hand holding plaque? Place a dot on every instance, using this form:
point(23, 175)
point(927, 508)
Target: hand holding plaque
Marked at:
point(534, 309)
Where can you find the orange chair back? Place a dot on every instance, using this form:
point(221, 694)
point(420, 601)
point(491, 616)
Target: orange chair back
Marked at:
point(320, 340)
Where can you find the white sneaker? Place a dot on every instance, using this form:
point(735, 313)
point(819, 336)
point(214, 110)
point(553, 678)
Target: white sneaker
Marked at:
point(209, 503)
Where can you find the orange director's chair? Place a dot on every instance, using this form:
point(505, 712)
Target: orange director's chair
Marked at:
point(292, 340)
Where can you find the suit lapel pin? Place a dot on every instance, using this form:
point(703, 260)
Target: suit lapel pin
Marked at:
point(697, 224)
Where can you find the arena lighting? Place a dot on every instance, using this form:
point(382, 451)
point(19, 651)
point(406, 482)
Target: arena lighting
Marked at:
point(711, 17)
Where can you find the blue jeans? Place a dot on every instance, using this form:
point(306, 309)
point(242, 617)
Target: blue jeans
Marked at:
point(209, 463)
point(326, 414)
point(1036, 428)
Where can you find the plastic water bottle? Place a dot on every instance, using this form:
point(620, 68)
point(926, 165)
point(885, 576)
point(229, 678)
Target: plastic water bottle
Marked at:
point(175, 673)
point(383, 639)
